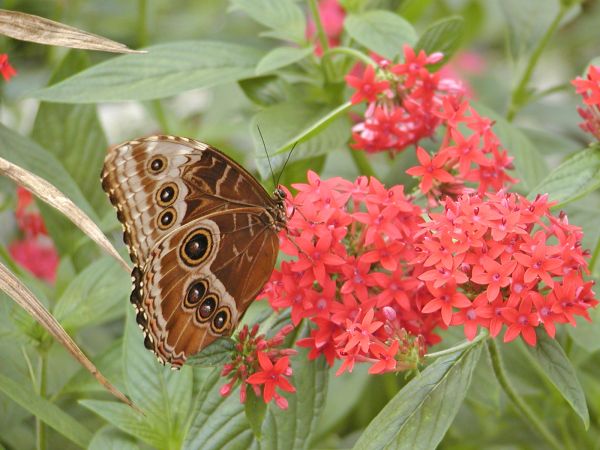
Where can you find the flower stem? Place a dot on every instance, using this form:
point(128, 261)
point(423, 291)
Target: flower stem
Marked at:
point(42, 387)
point(519, 95)
point(356, 54)
point(594, 258)
point(465, 344)
point(314, 9)
point(520, 405)
point(142, 25)
point(362, 163)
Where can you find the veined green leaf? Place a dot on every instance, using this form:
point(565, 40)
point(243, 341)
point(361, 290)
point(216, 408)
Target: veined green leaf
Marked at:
point(280, 57)
point(284, 17)
point(442, 36)
point(46, 411)
point(108, 438)
point(557, 367)
point(576, 177)
point(419, 415)
point(166, 70)
point(381, 31)
point(215, 354)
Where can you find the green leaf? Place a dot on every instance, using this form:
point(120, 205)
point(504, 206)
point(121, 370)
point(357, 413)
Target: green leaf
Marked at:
point(255, 409)
point(576, 177)
point(264, 91)
point(218, 423)
point(527, 22)
point(127, 420)
point(166, 70)
point(45, 411)
point(442, 36)
point(108, 438)
point(557, 367)
point(316, 129)
point(163, 394)
point(215, 354)
point(381, 31)
point(280, 57)
point(530, 167)
point(74, 135)
point(96, 295)
point(293, 428)
point(283, 17)
point(25, 153)
point(419, 415)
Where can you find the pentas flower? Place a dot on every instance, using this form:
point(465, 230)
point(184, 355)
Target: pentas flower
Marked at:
point(6, 69)
point(500, 261)
point(349, 243)
point(258, 362)
point(589, 89)
point(35, 251)
point(401, 101)
point(469, 158)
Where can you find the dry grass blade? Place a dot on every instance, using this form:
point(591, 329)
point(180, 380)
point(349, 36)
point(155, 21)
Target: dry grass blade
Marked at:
point(27, 27)
point(10, 284)
point(49, 194)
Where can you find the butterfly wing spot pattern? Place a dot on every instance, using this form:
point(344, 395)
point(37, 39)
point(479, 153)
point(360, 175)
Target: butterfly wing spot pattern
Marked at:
point(202, 233)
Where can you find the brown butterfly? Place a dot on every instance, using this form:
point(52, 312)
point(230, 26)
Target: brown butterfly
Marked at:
point(202, 233)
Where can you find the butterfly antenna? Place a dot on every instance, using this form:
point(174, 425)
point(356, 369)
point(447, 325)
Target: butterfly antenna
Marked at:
point(267, 153)
point(285, 163)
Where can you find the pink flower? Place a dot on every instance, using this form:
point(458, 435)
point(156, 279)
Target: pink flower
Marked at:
point(272, 376)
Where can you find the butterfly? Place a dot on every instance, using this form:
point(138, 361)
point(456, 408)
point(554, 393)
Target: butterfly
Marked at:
point(202, 233)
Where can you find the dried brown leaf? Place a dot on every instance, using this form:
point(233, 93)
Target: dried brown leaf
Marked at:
point(51, 195)
point(27, 27)
point(10, 284)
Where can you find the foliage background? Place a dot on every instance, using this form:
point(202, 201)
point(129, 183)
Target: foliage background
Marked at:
point(42, 388)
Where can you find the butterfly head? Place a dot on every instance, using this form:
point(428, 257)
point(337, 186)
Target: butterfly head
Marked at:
point(279, 194)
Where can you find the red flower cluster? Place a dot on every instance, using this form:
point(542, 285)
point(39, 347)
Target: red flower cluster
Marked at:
point(502, 261)
point(350, 242)
point(402, 101)
point(6, 69)
point(474, 156)
point(589, 89)
point(35, 251)
point(257, 361)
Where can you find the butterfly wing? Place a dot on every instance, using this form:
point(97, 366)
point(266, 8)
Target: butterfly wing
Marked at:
point(159, 183)
point(199, 280)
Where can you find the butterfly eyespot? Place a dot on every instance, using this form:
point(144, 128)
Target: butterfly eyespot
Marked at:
point(196, 247)
point(167, 194)
point(195, 293)
point(207, 308)
point(157, 164)
point(166, 218)
point(221, 320)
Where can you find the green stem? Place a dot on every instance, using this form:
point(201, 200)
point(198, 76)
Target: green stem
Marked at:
point(519, 96)
point(142, 26)
point(594, 258)
point(356, 54)
point(532, 419)
point(159, 114)
point(42, 388)
point(466, 344)
point(362, 163)
point(314, 9)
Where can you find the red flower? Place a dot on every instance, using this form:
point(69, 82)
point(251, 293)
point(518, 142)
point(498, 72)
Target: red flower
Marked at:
point(37, 255)
point(589, 89)
point(522, 322)
point(367, 87)
point(272, 376)
point(444, 299)
point(6, 69)
point(430, 170)
point(387, 357)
